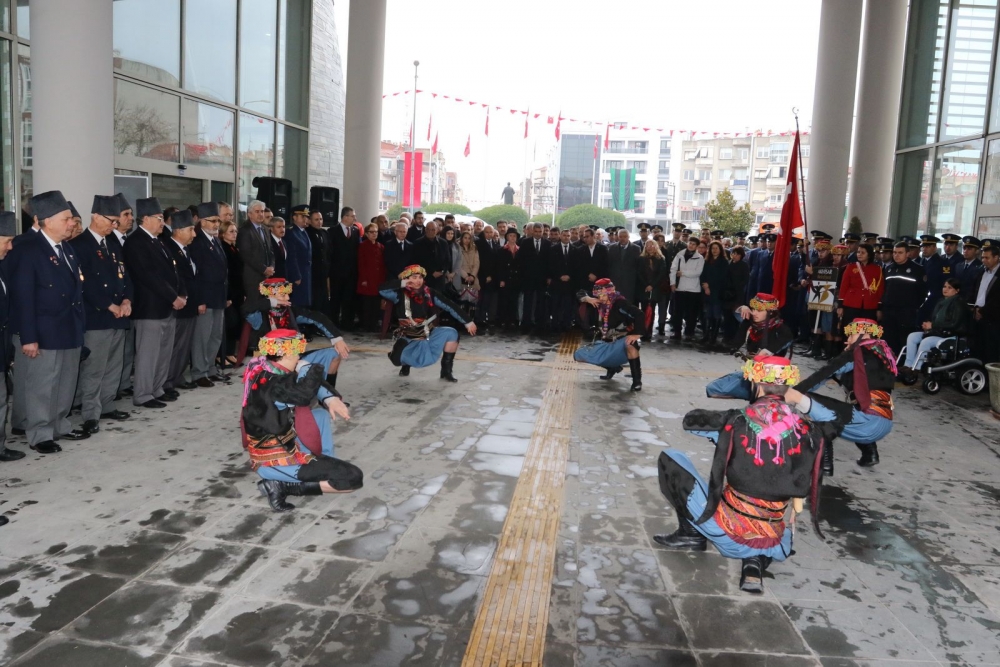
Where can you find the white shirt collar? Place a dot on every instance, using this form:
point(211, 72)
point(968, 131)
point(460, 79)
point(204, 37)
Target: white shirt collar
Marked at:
point(148, 233)
point(118, 235)
point(96, 236)
point(179, 244)
point(276, 239)
point(48, 238)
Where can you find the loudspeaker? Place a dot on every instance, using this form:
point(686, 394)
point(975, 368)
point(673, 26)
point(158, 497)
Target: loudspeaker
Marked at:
point(276, 193)
point(326, 201)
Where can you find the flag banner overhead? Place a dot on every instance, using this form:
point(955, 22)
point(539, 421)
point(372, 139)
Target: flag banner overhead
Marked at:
point(791, 220)
point(623, 189)
point(413, 167)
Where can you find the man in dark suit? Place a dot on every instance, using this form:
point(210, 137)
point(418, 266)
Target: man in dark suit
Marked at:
point(209, 296)
point(430, 252)
point(984, 297)
point(159, 293)
point(561, 287)
point(107, 304)
point(488, 245)
point(254, 244)
point(623, 265)
point(320, 262)
point(300, 256)
point(532, 257)
point(280, 250)
point(344, 240)
point(48, 322)
point(591, 262)
point(8, 230)
point(177, 248)
point(416, 230)
point(398, 252)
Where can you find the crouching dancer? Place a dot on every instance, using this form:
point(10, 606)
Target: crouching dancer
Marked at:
point(766, 455)
point(620, 326)
point(420, 340)
point(279, 386)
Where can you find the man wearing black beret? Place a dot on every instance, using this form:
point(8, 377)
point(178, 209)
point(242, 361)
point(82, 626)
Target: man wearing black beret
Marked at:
point(8, 230)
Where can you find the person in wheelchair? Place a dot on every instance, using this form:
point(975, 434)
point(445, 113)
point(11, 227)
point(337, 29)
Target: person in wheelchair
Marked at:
point(948, 319)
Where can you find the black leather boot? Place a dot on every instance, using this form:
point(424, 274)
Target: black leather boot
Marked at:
point(828, 459)
point(304, 489)
point(611, 372)
point(447, 362)
point(685, 538)
point(752, 576)
point(276, 493)
point(331, 379)
point(869, 454)
point(815, 349)
point(404, 371)
point(827, 352)
point(636, 366)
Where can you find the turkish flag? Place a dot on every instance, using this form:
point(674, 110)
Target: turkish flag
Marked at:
point(791, 219)
point(468, 146)
point(434, 148)
point(558, 123)
point(607, 136)
point(413, 166)
point(525, 124)
point(430, 121)
point(487, 123)
point(597, 141)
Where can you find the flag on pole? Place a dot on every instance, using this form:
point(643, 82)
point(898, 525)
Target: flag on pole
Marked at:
point(558, 122)
point(607, 135)
point(434, 148)
point(430, 120)
point(597, 140)
point(623, 189)
point(487, 122)
point(791, 219)
point(413, 166)
point(526, 116)
point(468, 146)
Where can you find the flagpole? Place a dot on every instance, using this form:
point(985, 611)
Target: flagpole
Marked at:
point(413, 144)
point(802, 183)
point(555, 202)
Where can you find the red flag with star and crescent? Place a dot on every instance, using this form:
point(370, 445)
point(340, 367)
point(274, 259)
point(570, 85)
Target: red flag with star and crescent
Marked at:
point(468, 145)
point(791, 219)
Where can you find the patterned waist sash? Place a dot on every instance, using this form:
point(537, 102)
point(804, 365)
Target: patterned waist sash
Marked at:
point(757, 523)
point(276, 450)
point(881, 405)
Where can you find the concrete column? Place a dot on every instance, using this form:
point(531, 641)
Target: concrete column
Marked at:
point(833, 111)
point(882, 47)
point(72, 106)
point(363, 113)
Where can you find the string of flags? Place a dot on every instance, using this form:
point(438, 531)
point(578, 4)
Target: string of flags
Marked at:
point(557, 119)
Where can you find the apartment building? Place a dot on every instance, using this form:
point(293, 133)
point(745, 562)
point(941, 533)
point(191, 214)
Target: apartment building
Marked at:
point(650, 154)
point(436, 183)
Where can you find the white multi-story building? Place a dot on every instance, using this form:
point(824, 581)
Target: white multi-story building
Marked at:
point(650, 154)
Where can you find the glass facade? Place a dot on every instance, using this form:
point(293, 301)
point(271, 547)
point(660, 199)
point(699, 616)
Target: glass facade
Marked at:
point(577, 167)
point(947, 169)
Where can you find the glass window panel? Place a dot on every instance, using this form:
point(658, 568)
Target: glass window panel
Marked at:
point(207, 135)
point(258, 36)
point(176, 190)
point(147, 41)
point(991, 179)
point(222, 192)
point(291, 156)
point(911, 190)
point(988, 228)
point(922, 75)
point(5, 17)
point(956, 182)
point(210, 49)
point(6, 135)
point(26, 181)
point(147, 122)
point(23, 19)
point(293, 60)
point(256, 154)
point(967, 72)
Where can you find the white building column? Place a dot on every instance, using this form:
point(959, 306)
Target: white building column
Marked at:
point(363, 112)
point(72, 105)
point(833, 111)
point(881, 75)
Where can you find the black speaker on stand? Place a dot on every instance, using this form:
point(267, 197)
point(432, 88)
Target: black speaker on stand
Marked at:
point(276, 193)
point(327, 201)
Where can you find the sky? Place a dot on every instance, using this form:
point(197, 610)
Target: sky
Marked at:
point(714, 65)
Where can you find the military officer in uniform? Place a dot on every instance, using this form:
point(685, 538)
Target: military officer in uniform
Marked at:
point(8, 230)
point(320, 262)
point(300, 257)
point(107, 305)
point(967, 271)
point(951, 254)
point(644, 229)
point(912, 249)
point(177, 247)
point(905, 291)
point(48, 322)
point(937, 271)
point(211, 289)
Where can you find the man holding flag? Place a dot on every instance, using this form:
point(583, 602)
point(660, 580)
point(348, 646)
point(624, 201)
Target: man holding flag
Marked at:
point(791, 220)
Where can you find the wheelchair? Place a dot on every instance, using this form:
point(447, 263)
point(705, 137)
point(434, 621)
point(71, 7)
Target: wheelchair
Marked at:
point(951, 361)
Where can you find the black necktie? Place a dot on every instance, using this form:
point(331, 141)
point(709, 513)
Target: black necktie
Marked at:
point(538, 245)
point(565, 250)
point(62, 256)
point(104, 246)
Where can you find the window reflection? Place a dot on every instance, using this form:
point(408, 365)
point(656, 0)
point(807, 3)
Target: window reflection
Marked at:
point(956, 181)
point(147, 41)
point(26, 181)
point(146, 122)
point(210, 49)
point(922, 75)
point(6, 141)
point(968, 71)
point(256, 153)
point(293, 60)
point(291, 159)
point(911, 192)
point(257, 55)
point(207, 134)
point(23, 19)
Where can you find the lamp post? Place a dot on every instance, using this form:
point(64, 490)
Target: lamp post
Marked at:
point(413, 143)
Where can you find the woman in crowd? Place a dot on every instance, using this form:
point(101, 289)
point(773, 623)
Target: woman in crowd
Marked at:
point(467, 269)
point(506, 263)
point(734, 289)
point(452, 259)
point(949, 319)
point(235, 296)
point(713, 280)
point(685, 281)
point(371, 275)
point(652, 271)
point(861, 290)
point(703, 249)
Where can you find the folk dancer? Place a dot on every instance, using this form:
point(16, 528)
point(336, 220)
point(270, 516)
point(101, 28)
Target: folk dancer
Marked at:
point(762, 332)
point(766, 458)
point(278, 385)
point(420, 340)
point(620, 326)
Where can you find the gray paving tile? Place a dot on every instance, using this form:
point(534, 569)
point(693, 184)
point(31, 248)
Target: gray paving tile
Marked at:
point(953, 634)
point(738, 625)
point(365, 641)
point(62, 651)
point(755, 660)
point(121, 551)
point(609, 656)
point(307, 579)
point(210, 563)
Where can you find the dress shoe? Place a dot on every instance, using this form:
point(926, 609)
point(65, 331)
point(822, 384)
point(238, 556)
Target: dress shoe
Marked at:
point(153, 403)
point(221, 377)
point(46, 447)
point(752, 575)
point(190, 385)
point(171, 392)
point(202, 382)
point(117, 415)
point(126, 392)
point(77, 434)
point(4, 521)
point(168, 398)
point(91, 426)
point(869, 454)
point(11, 454)
point(17, 431)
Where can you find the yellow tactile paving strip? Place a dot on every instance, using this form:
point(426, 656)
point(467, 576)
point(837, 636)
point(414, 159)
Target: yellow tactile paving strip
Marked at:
point(513, 617)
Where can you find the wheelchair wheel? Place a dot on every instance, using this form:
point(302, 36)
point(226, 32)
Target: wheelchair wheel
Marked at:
point(909, 379)
point(931, 385)
point(972, 381)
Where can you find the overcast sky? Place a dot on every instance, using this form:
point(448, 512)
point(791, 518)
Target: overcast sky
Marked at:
point(717, 65)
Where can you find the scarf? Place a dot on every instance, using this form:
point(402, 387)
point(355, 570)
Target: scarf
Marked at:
point(418, 296)
point(251, 376)
point(881, 350)
point(511, 248)
point(604, 310)
point(281, 318)
point(756, 332)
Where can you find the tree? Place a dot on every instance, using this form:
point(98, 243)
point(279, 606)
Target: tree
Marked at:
point(454, 209)
point(854, 225)
point(138, 128)
point(588, 214)
point(394, 212)
point(491, 214)
point(723, 214)
point(544, 217)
